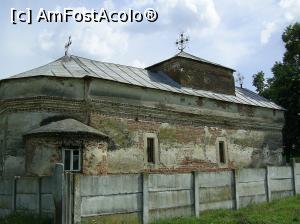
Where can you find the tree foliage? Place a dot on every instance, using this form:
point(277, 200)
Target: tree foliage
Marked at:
point(259, 82)
point(284, 87)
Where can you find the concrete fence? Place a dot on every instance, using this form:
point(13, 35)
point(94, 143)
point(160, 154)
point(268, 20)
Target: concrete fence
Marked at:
point(26, 194)
point(142, 198)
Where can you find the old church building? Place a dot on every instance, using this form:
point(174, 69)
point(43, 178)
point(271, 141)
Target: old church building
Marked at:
point(98, 118)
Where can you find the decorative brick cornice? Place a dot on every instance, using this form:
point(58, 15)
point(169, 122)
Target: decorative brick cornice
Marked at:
point(130, 111)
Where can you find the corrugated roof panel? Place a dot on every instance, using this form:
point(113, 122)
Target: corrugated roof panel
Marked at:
point(247, 97)
point(148, 77)
point(128, 76)
point(114, 73)
point(97, 71)
point(245, 100)
point(259, 99)
point(101, 72)
point(137, 77)
point(79, 67)
point(232, 99)
point(67, 69)
point(109, 72)
point(163, 81)
point(94, 70)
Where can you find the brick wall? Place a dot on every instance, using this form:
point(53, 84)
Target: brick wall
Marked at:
point(182, 147)
point(198, 75)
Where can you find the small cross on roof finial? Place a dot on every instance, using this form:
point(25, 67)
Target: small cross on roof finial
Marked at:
point(67, 46)
point(182, 41)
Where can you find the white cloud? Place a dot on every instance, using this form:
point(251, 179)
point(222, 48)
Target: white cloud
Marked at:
point(209, 13)
point(107, 40)
point(288, 12)
point(45, 40)
point(138, 63)
point(266, 33)
point(227, 32)
point(103, 40)
point(100, 40)
point(196, 16)
point(224, 54)
point(291, 9)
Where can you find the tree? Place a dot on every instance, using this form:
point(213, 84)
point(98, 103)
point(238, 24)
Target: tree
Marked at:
point(259, 82)
point(284, 87)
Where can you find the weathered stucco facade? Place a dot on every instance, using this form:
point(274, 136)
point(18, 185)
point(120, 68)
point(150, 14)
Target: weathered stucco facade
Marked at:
point(80, 147)
point(191, 72)
point(43, 152)
point(186, 127)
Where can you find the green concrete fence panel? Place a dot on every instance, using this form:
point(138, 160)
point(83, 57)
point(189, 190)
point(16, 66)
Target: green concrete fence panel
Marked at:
point(141, 198)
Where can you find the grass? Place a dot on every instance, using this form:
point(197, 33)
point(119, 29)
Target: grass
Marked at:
point(285, 211)
point(24, 218)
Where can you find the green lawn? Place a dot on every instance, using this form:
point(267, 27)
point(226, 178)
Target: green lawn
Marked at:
point(285, 211)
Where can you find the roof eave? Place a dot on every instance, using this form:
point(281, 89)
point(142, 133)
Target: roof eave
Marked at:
point(60, 133)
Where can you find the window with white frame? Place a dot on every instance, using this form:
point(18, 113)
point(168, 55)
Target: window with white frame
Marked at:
point(72, 159)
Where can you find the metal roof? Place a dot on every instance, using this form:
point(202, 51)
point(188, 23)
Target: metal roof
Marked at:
point(66, 126)
point(78, 67)
point(183, 54)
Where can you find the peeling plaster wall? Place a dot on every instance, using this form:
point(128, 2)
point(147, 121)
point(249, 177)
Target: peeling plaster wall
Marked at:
point(43, 152)
point(118, 92)
point(94, 157)
point(41, 86)
point(15, 125)
point(189, 120)
point(184, 148)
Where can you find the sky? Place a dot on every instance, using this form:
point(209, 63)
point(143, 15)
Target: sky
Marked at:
point(240, 34)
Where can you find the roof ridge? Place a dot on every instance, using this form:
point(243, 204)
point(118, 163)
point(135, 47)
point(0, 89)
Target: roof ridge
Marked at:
point(12, 76)
point(192, 57)
point(130, 66)
point(131, 75)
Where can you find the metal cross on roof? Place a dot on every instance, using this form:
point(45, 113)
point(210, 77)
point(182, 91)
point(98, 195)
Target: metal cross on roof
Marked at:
point(67, 46)
point(181, 42)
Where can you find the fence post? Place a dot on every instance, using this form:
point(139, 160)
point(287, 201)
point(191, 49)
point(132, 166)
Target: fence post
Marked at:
point(268, 184)
point(236, 188)
point(68, 197)
point(294, 176)
point(58, 193)
point(77, 199)
point(38, 196)
point(196, 193)
point(145, 198)
point(13, 194)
